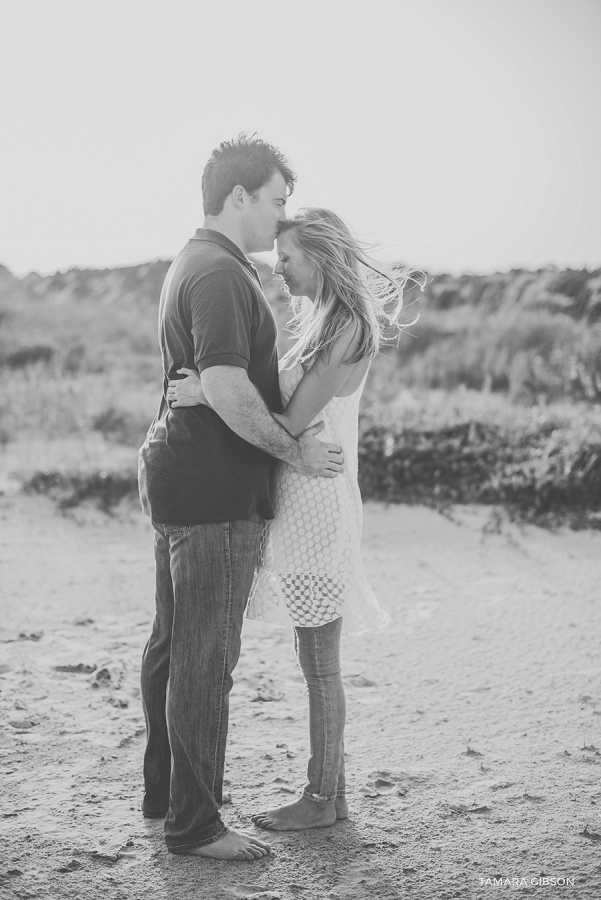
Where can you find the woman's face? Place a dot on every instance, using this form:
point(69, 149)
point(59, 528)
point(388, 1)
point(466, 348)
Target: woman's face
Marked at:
point(294, 267)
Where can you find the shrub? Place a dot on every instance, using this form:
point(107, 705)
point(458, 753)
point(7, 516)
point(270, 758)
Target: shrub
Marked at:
point(529, 354)
point(540, 474)
point(106, 489)
point(118, 425)
point(73, 358)
point(27, 356)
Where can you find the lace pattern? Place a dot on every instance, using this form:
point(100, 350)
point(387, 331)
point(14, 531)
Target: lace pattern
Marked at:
point(311, 571)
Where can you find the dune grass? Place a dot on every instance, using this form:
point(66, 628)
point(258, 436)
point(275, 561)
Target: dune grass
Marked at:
point(479, 403)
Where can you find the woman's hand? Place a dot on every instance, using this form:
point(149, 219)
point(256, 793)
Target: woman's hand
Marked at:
point(186, 391)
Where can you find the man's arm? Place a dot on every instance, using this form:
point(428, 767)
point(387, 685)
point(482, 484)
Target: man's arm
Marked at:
point(236, 400)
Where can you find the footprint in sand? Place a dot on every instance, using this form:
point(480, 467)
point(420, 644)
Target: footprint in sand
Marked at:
point(383, 786)
point(253, 892)
point(21, 724)
point(283, 784)
point(360, 883)
point(78, 668)
point(384, 783)
point(362, 681)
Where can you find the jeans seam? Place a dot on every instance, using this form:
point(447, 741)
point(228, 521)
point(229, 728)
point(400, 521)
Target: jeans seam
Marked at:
point(323, 692)
point(228, 581)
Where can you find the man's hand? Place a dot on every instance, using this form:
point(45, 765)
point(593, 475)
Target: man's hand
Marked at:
point(316, 457)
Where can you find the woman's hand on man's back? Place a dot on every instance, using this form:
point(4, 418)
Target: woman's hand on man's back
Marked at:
point(186, 391)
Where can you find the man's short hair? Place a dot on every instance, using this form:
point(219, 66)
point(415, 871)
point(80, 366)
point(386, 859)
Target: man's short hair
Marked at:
point(247, 161)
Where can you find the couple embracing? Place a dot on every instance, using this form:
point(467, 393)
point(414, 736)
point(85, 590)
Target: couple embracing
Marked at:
point(249, 475)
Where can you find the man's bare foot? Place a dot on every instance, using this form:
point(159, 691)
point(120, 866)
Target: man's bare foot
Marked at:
point(341, 807)
point(297, 816)
point(233, 846)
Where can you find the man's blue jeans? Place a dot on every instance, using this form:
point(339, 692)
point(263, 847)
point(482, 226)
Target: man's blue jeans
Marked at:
point(203, 578)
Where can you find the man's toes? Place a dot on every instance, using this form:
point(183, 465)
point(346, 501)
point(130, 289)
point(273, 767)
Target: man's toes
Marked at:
point(257, 843)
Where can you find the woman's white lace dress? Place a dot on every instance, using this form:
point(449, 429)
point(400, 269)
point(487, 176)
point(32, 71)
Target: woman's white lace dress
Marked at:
point(310, 570)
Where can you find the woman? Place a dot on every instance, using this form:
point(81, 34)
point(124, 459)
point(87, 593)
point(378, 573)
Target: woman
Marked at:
point(311, 575)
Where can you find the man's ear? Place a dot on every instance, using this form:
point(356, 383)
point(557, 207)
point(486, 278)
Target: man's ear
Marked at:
point(239, 196)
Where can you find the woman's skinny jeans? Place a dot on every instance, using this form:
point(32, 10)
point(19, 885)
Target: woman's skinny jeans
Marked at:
point(318, 652)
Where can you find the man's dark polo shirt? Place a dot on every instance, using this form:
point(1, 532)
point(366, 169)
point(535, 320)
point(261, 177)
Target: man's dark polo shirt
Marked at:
point(193, 468)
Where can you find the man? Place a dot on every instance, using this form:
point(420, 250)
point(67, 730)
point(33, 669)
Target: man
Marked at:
point(204, 481)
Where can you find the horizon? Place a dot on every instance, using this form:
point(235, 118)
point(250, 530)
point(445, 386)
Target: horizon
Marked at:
point(551, 267)
point(458, 137)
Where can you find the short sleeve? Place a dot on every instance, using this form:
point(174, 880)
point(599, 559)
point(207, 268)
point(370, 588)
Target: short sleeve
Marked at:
point(221, 318)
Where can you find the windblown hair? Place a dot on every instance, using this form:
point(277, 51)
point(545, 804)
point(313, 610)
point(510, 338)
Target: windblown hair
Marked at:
point(248, 161)
point(353, 291)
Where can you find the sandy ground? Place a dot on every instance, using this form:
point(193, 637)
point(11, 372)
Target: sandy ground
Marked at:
point(474, 718)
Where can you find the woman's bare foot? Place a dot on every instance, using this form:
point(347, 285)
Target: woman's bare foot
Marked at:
point(341, 807)
point(234, 846)
point(297, 816)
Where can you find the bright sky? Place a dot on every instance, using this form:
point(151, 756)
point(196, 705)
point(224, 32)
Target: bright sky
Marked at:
point(463, 135)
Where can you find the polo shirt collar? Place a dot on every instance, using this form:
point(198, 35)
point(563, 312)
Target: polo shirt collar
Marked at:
point(216, 237)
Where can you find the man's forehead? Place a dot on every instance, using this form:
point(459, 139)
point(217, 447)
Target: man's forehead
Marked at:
point(276, 187)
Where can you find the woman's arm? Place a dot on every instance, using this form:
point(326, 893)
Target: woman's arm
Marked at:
point(318, 386)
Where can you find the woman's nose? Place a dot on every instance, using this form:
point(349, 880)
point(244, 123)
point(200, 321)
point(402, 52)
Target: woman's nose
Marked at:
point(279, 268)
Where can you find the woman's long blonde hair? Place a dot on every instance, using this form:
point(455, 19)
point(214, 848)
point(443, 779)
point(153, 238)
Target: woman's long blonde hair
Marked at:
point(353, 291)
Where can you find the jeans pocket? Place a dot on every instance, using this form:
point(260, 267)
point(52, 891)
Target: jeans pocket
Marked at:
point(177, 529)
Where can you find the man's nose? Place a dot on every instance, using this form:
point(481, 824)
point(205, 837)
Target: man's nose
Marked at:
point(279, 269)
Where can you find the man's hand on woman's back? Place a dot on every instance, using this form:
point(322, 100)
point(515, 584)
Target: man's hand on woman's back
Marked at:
point(317, 457)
